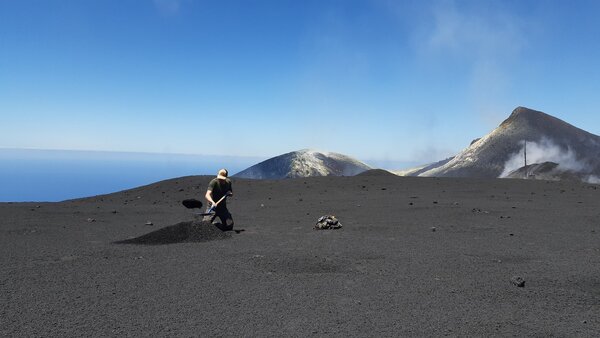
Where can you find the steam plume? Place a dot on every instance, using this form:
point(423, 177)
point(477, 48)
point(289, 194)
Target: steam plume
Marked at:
point(545, 151)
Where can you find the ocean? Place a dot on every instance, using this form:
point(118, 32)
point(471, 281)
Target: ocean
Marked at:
point(56, 175)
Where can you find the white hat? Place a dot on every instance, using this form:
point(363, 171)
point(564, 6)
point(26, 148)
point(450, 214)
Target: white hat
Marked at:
point(222, 174)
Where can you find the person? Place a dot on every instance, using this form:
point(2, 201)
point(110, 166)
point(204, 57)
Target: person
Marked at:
point(217, 189)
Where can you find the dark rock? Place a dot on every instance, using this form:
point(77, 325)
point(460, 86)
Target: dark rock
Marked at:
point(517, 281)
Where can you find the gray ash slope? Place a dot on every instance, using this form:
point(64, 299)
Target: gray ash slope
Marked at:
point(487, 157)
point(304, 163)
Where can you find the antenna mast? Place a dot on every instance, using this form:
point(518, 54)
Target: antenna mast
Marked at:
point(525, 152)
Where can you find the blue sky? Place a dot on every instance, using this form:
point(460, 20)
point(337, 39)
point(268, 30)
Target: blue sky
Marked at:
point(380, 79)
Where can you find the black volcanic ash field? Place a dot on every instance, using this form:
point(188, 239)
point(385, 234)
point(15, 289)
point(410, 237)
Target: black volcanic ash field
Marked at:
point(416, 256)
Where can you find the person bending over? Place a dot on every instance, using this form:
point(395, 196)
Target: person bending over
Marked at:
point(218, 188)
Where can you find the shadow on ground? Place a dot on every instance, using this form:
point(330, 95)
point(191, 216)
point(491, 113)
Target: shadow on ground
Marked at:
point(184, 232)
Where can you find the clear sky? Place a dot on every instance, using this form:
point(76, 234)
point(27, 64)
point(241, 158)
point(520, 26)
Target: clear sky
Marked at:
point(373, 79)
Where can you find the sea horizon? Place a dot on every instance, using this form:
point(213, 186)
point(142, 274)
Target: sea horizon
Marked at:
point(39, 175)
point(43, 175)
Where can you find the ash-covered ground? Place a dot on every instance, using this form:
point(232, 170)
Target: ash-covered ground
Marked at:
point(415, 257)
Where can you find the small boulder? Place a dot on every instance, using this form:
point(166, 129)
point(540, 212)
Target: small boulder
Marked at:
point(328, 222)
point(517, 281)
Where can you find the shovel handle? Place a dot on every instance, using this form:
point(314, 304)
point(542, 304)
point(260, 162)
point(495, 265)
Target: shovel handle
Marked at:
point(212, 207)
point(222, 198)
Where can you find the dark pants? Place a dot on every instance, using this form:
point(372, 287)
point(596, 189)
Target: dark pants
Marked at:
point(224, 216)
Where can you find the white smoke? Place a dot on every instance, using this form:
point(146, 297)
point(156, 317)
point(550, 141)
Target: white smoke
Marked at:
point(592, 179)
point(544, 151)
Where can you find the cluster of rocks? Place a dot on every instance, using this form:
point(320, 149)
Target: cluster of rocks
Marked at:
point(327, 222)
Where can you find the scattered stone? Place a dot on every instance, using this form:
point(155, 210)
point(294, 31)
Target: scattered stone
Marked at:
point(517, 281)
point(435, 202)
point(511, 234)
point(328, 222)
point(181, 189)
point(433, 229)
point(90, 220)
point(114, 211)
point(149, 223)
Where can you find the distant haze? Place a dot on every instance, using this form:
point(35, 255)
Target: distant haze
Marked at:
point(43, 175)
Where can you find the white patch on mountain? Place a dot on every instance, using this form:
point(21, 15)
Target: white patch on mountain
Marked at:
point(305, 163)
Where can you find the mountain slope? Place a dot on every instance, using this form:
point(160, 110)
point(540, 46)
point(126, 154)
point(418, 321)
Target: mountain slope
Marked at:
point(501, 151)
point(304, 163)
